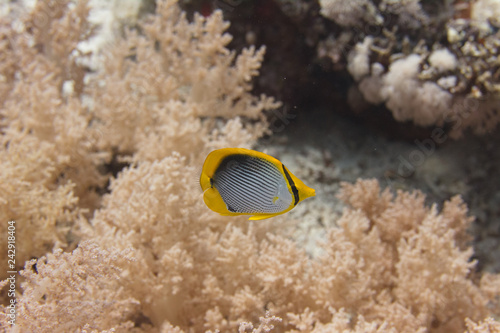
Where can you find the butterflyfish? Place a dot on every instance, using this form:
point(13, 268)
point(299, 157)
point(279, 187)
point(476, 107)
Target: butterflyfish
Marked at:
point(237, 181)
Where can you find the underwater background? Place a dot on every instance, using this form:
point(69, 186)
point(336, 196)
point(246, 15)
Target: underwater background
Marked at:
point(389, 109)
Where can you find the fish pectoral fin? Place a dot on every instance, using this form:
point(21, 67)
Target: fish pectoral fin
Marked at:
point(261, 217)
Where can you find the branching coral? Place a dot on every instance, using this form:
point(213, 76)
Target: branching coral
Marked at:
point(47, 150)
point(75, 290)
point(488, 325)
point(155, 259)
point(391, 265)
point(169, 88)
point(59, 127)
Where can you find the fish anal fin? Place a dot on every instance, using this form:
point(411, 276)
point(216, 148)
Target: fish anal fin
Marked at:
point(261, 217)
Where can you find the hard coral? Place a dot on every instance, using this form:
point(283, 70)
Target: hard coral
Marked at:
point(350, 13)
point(452, 70)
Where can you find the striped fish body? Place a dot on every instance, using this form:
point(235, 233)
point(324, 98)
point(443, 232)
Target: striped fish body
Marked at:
point(239, 181)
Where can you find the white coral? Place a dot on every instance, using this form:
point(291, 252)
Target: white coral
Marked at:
point(359, 62)
point(483, 11)
point(443, 60)
point(370, 86)
point(350, 13)
point(410, 99)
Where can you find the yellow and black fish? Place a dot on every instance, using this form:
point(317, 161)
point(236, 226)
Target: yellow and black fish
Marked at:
point(239, 181)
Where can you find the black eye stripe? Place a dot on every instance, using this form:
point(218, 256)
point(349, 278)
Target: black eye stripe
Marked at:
point(292, 185)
